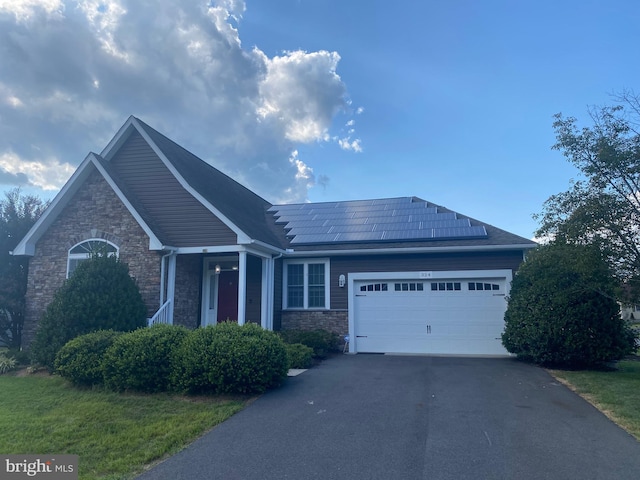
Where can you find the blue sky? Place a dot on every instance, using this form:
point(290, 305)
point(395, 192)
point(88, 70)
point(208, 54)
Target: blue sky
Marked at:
point(319, 100)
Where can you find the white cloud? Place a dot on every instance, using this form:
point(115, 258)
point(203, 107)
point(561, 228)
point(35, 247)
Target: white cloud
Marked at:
point(24, 10)
point(49, 175)
point(303, 92)
point(348, 144)
point(73, 71)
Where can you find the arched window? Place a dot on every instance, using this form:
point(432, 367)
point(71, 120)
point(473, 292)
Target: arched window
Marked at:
point(84, 250)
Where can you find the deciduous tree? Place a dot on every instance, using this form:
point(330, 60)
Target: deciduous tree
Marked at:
point(18, 213)
point(602, 207)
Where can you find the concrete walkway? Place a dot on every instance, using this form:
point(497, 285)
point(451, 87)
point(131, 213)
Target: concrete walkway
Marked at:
point(412, 417)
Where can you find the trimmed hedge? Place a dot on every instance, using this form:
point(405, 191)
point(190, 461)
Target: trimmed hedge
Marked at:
point(143, 360)
point(229, 358)
point(80, 359)
point(321, 341)
point(299, 355)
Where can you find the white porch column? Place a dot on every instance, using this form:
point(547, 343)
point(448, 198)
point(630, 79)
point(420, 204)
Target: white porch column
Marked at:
point(242, 287)
point(171, 285)
point(266, 314)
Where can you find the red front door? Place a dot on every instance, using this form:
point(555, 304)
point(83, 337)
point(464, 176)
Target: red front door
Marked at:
point(228, 296)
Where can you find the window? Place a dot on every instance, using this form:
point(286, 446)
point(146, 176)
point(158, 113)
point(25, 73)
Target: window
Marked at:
point(307, 284)
point(409, 287)
point(450, 286)
point(374, 287)
point(483, 286)
point(295, 286)
point(84, 250)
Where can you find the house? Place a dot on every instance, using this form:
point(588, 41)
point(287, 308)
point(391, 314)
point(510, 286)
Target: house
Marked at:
point(394, 274)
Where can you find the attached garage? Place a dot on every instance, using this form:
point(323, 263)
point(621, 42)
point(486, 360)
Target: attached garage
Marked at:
point(446, 313)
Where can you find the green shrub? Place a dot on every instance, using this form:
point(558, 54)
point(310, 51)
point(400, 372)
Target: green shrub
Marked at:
point(321, 341)
point(80, 359)
point(21, 357)
point(562, 312)
point(229, 358)
point(99, 295)
point(142, 360)
point(299, 355)
point(7, 363)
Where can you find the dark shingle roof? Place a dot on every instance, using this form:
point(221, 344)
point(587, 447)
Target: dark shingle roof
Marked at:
point(260, 220)
point(240, 205)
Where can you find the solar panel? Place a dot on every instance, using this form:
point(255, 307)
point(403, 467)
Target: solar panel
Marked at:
point(460, 232)
point(323, 238)
point(360, 236)
point(309, 230)
point(392, 219)
point(408, 234)
point(459, 222)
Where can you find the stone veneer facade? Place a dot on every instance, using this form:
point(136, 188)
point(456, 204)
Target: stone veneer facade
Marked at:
point(336, 321)
point(187, 296)
point(94, 212)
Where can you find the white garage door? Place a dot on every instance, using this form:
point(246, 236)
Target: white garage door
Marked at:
point(461, 315)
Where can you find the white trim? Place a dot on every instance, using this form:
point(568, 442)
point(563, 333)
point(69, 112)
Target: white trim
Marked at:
point(401, 250)
point(242, 287)
point(64, 196)
point(215, 249)
point(154, 242)
point(171, 284)
point(242, 237)
point(87, 255)
point(266, 246)
point(206, 292)
point(266, 320)
point(28, 242)
point(506, 274)
point(305, 302)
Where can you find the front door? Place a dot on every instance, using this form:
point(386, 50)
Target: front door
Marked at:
point(227, 296)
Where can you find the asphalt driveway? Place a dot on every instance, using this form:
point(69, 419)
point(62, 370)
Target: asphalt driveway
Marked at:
point(412, 417)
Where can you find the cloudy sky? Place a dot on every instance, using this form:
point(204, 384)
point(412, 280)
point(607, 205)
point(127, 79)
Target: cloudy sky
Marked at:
point(319, 100)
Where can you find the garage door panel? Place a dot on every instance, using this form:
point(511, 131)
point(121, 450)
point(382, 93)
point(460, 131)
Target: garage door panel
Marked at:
point(431, 319)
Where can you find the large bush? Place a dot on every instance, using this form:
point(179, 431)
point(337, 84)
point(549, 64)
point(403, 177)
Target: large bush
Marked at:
point(562, 310)
point(80, 359)
point(229, 358)
point(321, 341)
point(144, 359)
point(99, 295)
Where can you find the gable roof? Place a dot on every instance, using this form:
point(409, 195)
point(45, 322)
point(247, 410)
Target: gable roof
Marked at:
point(223, 205)
point(243, 208)
point(240, 210)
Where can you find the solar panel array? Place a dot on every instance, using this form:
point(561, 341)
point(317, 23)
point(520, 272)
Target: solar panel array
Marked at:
point(391, 219)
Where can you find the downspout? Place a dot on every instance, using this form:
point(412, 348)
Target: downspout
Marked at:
point(171, 250)
point(271, 293)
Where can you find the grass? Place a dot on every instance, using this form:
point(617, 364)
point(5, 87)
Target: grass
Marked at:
point(615, 393)
point(115, 435)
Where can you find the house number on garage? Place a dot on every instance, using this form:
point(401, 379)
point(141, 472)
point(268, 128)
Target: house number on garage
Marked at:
point(426, 274)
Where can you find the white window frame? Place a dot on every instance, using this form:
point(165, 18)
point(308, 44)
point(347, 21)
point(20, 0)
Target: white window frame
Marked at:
point(83, 256)
point(306, 263)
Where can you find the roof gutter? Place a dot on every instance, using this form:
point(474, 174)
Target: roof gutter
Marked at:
point(386, 251)
point(267, 246)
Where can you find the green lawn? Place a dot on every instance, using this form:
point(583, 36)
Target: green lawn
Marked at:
point(115, 435)
point(616, 393)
